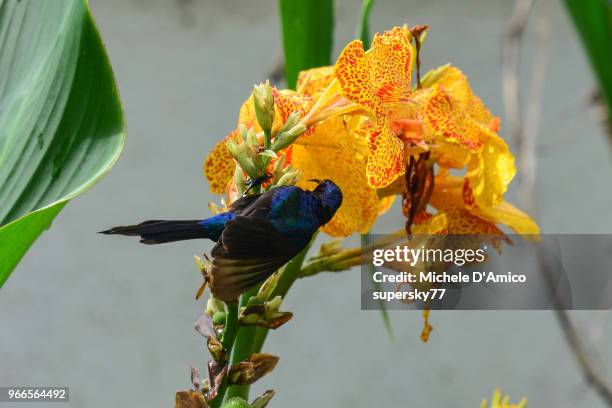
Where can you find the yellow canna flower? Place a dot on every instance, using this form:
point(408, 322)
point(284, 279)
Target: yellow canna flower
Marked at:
point(367, 126)
point(502, 401)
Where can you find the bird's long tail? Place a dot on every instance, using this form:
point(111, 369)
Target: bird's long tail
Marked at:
point(160, 231)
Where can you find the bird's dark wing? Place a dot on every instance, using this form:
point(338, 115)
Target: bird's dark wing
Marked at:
point(244, 202)
point(249, 251)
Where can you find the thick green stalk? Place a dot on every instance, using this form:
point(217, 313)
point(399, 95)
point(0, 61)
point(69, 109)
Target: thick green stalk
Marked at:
point(229, 335)
point(243, 347)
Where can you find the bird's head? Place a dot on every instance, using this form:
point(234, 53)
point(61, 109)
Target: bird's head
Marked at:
point(331, 197)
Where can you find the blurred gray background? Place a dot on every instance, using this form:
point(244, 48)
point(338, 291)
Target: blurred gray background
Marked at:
point(113, 319)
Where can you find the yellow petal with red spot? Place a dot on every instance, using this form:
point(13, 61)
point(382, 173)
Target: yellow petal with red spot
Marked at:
point(430, 225)
point(219, 165)
point(313, 81)
point(457, 85)
point(444, 121)
point(462, 222)
point(491, 171)
point(387, 160)
point(336, 152)
point(390, 64)
point(506, 214)
point(246, 116)
point(353, 73)
point(451, 155)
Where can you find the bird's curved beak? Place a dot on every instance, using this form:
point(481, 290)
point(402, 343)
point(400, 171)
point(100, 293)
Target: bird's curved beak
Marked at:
point(316, 181)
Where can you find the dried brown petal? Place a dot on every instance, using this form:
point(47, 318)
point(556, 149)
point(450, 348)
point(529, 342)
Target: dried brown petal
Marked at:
point(195, 378)
point(251, 370)
point(216, 372)
point(190, 399)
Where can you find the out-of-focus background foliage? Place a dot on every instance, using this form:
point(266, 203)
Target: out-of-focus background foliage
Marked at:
point(113, 319)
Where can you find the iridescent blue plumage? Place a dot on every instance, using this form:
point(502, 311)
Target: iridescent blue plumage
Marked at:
point(256, 236)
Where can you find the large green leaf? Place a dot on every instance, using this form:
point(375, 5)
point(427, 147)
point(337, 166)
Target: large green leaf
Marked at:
point(61, 125)
point(593, 21)
point(308, 29)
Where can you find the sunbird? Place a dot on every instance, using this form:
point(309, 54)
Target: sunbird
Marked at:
point(257, 235)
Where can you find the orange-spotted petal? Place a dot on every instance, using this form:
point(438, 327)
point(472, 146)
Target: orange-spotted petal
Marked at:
point(444, 121)
point(219, 165)
point(353, 73)
point(390, 62)
point(387, 160)
point(456, 83)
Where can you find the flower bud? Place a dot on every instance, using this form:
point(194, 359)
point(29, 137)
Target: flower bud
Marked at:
point(262, 402)
point(239, 180)
point(289, 178)
point(240, 152)
point(236, 402)
point(284, 139)
point(263, 100)
point(268, 286)
point(291, 121)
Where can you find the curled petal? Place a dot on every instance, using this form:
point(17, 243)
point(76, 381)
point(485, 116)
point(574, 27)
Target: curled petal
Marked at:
point(189, 399)
point(248, 371)
point(491, 171)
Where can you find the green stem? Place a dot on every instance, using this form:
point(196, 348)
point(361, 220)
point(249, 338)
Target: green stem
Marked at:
point(243, 347)
point(229, 335)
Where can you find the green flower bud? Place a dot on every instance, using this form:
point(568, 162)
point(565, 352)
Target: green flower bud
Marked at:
point(262, 402)
point(286, 138)
point(242, 156)
point(264, 105)
point(291, 121)
point(236, 402)
point(289, 178)
point(279, 166)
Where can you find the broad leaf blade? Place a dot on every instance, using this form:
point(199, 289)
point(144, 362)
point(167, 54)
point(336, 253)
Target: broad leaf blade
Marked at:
point(61, 125)
point(308, 27)
point(593, 21)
